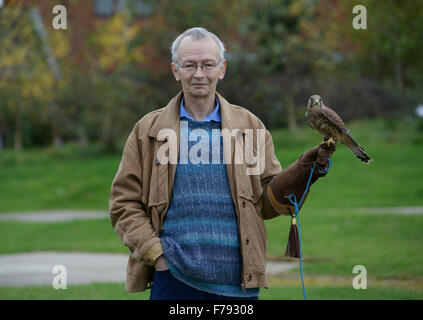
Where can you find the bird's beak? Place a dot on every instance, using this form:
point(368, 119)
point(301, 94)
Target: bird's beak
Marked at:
point(315, 103)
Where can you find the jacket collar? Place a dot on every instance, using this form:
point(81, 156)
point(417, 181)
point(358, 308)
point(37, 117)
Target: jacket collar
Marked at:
point(169, 117)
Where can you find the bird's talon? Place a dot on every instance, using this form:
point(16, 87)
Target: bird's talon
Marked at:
point(329, 141)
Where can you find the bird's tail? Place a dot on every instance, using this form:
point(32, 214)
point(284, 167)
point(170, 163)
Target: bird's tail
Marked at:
point(357, 150)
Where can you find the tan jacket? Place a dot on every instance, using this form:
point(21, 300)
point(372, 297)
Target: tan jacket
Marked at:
point(141, 194)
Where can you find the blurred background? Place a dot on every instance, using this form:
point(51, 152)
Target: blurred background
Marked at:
point(70, 97)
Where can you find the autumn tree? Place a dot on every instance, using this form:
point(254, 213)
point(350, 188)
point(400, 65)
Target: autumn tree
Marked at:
point(26, 81)
point(113, 78)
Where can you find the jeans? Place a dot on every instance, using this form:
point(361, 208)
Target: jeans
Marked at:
point(167, 287)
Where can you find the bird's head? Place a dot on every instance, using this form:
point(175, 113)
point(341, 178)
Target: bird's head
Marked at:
point(315, 100)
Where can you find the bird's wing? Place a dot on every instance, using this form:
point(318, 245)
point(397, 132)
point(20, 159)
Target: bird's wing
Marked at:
point(355, 148)
point(308, 121)
point(349, 141)
point(346, 138)
point(333, 117)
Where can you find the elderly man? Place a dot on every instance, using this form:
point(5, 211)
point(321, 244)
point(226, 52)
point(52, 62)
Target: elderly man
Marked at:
point(194, 224)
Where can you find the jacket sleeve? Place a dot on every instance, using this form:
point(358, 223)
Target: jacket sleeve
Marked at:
point(127, 212)
point(271, 169)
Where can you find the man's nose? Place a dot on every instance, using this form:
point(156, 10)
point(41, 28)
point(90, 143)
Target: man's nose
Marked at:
point(199, 72)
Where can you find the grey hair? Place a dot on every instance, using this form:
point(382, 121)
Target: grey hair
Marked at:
point(197, 33)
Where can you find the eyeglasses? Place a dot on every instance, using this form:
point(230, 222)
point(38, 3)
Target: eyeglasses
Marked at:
point(191, 67)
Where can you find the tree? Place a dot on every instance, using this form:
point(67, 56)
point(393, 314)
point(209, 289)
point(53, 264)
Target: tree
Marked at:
point(114, 54)
point(393, 43)
point(25, 82)
point(379, 63)
point(289, 47)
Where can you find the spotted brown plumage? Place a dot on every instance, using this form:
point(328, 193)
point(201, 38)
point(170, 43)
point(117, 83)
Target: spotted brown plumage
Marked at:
point(330, 125)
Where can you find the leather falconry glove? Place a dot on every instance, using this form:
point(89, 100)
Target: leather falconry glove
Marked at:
point(293, 180)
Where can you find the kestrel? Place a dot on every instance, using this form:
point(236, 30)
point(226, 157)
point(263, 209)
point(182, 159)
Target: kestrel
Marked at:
point(327, 122)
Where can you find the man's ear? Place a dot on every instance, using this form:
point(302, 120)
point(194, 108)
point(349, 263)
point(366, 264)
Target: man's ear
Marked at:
point(222, 70)
point(174, 71)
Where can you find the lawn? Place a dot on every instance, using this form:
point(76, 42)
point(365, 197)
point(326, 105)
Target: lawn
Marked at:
point(115, 291)
point(336, 235)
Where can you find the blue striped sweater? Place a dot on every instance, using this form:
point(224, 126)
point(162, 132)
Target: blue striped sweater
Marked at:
point(200, 238)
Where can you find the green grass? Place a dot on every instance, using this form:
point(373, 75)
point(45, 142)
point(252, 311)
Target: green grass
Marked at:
point(335, 236)
point(93, 291)
point(116, 291)
point(333, 243)
point(37, 181)
point(80, 235)
point(338, 293)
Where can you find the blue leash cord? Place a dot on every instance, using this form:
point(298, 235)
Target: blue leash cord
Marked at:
point(297, 209)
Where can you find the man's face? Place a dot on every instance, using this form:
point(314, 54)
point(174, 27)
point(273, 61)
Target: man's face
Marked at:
point(201, 81)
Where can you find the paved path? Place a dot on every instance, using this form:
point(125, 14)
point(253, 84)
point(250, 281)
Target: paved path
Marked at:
point(52, 216)
point(393, 210)
point(36, 268)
